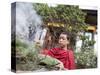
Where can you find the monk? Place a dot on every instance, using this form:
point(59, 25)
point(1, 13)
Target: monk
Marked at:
point(63, 53)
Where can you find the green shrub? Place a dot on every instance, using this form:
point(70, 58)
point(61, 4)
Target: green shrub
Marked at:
point(86, 58)
point(28, 59)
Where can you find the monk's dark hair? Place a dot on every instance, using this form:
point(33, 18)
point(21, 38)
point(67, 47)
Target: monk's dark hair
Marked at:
point(68, 36)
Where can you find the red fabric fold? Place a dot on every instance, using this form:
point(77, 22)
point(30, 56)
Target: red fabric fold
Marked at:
point(65, 56)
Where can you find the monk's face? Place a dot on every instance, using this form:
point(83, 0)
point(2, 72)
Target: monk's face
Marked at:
point(63, 40)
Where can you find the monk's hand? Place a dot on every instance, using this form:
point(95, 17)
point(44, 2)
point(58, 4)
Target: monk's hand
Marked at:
point(60, 66)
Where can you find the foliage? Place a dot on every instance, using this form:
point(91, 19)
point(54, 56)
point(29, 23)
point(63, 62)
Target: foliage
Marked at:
point(48, 61)
point(28, 57)
point(70, 16)
point(86, 57)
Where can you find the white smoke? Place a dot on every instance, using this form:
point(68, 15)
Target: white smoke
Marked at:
point(26, 16)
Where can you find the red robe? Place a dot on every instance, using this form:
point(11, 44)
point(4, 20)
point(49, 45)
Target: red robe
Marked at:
point(65, 56)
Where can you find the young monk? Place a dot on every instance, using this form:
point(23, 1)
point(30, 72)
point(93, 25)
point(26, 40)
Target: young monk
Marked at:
point(63, 53)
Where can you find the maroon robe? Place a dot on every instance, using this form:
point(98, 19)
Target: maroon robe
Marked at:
point(65, 56)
